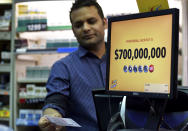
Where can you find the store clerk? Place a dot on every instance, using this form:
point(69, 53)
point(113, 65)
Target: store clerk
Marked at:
point(72, 78)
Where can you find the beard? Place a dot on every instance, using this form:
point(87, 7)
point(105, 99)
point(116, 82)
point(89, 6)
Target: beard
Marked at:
point(91, 45)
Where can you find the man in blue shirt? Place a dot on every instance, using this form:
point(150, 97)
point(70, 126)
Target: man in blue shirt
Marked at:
point(72, 78)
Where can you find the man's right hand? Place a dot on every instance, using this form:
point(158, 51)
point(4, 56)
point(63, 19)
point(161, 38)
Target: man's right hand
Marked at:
point(45, 124)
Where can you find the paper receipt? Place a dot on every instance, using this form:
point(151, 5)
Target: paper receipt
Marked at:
point(62, 121)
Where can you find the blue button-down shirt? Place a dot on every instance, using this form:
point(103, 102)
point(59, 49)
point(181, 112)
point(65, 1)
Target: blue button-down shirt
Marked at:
point(75, 76)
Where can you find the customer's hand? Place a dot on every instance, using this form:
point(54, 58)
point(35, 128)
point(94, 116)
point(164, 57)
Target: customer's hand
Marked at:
point(45, 124)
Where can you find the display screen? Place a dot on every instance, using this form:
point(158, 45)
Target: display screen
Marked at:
point(142, 53)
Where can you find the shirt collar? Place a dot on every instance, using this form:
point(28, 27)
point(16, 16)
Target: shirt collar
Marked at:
point(82, 52)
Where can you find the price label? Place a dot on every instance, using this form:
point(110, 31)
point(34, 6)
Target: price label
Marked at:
point(37, 27)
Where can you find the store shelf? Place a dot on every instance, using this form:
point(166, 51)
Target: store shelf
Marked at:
point(30, 100)
point(46, 51)
point(46, 35)
point(32, 80)
point(4, 92)
point(2, 2)
point(6, 62)
point(45, 42)
point(4, 119)
point(23, 122)
point(17, 1)
point(35, 51)
point(5, 3)
point(5, 35)
point(8, 4)
point(4, 68)
point(49, 28)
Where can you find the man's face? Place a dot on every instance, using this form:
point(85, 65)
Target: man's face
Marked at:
point(88, 27)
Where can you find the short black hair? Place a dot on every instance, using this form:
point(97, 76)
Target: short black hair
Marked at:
point(84, 3)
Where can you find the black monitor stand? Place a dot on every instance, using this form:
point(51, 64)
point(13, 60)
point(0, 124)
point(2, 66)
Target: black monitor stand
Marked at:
point(157, 110)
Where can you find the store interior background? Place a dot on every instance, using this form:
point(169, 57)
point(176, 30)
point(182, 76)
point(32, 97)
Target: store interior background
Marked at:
point(30, 54)
point(58, 15)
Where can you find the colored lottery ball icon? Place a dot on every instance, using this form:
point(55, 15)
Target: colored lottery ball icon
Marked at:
point(130, 68)
point(125, 68)
point(140, 68)
point(114, 83)
point(135, 68)
point(145, 68)
point(151, 68)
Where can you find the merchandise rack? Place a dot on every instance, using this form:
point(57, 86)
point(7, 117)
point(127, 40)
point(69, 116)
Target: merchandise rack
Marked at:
point(5, 67)
point(31, 102)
